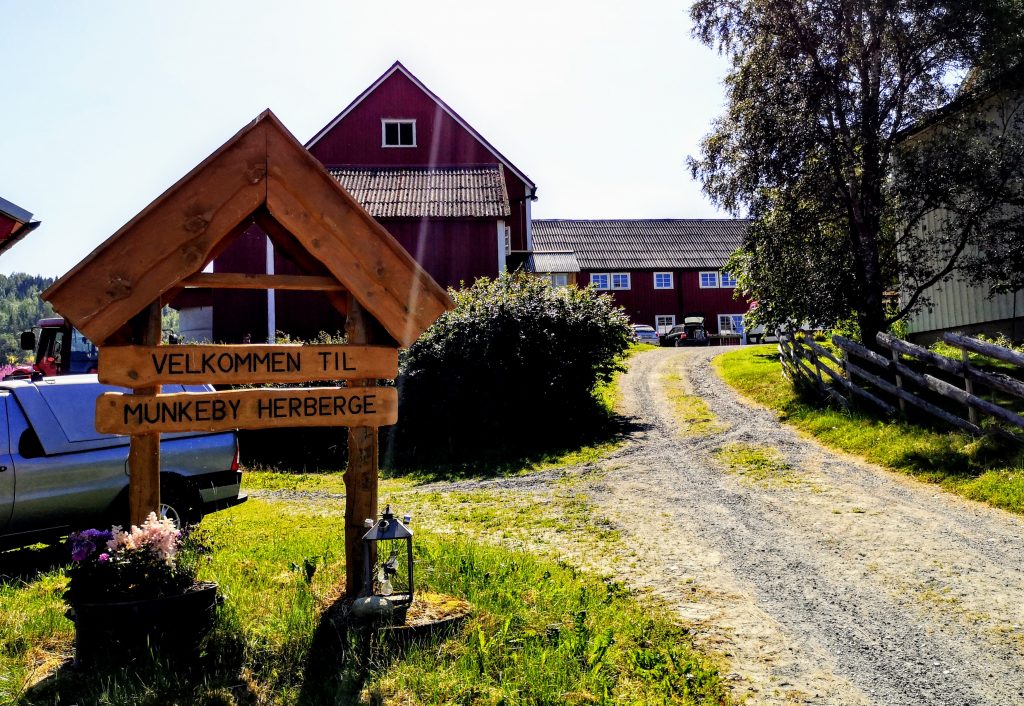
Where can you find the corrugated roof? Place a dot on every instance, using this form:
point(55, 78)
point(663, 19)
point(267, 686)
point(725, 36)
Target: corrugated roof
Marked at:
point(552, 262)
point(643, 243)
point(448, 192)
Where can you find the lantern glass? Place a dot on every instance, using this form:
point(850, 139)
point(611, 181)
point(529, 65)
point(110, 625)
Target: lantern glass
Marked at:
point(388, 567)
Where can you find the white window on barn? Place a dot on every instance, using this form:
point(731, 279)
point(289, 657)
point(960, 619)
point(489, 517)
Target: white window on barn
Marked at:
point(730, 324)
point(728, 281)
point(708, 280)
point(663, 280)
point(601, 281)
point(620, 280)
point(398, 133)
point(559, 279)
point(663, 322)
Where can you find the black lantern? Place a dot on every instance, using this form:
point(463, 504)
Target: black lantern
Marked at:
point(387, 561)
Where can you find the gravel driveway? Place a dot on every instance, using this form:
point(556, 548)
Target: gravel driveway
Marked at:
point(844, 584)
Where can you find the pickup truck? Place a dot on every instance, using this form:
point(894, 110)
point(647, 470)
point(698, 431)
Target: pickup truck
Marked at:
point(58, 474)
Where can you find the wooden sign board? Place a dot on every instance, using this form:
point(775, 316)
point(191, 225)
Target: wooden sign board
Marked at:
point(118, 413)
point(142, 366)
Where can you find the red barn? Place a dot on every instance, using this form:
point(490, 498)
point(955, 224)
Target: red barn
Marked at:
point(657, 270)
point(443, 191)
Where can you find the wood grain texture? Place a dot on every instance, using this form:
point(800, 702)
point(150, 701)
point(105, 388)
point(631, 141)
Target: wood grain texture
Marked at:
point(265, 408)
point(132, 366)
point(242, 280)
point(144, 449)
point(362, 474)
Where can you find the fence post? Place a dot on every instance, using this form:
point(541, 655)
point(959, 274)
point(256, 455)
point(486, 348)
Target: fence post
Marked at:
point(899, 380)
point(817, 366)
point(972, 413)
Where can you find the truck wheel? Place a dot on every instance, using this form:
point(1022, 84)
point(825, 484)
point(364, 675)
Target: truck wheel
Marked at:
point(179, 505)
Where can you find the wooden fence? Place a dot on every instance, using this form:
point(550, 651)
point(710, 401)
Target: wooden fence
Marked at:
point(909, 377)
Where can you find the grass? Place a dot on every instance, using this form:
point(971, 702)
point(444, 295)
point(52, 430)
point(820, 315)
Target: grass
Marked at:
point(980, 469)
point(691, 413)
point(756, 463)
point(542, 632)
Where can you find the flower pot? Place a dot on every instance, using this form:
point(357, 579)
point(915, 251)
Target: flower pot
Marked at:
point(173, 625)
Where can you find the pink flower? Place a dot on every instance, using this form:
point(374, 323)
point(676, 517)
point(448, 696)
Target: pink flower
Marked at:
point(103, 557)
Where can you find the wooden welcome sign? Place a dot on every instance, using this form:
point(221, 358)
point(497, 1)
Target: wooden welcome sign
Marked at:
point(262, 176)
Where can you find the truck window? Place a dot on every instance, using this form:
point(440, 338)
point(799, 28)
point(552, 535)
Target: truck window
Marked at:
point(84, 354)
point(51, 342)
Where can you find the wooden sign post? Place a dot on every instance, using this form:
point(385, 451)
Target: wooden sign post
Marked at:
point(260, 177)
point(144, 451)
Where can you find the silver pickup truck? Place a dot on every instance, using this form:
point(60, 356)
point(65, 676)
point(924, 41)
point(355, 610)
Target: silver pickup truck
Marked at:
point(58, 474)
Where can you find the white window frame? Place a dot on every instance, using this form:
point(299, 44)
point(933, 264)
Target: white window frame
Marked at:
point(671, 280)
point(629, 280)
point(732, 331)
point(384, 122)
point(657, 326)
point(721, 280)
point(607, 282)
point(700, 278)
point(559, 279)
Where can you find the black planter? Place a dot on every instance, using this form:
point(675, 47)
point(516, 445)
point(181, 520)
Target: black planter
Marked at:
point(173, 626)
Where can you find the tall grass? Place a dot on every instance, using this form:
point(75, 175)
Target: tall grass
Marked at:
point(980, 469)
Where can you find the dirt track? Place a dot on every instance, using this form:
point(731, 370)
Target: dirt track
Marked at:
point(841, 583)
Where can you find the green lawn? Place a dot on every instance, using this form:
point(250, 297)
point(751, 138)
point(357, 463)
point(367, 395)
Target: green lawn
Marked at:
point(981, 469)
point(542, 632)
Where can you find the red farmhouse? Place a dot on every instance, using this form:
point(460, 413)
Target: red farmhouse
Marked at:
point(442, 190)
point(657, 270)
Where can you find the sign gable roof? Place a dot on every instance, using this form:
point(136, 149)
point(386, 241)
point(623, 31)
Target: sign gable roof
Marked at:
point(398, 67)
point(261, 174)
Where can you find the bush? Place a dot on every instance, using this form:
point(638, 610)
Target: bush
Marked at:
point(511, 369)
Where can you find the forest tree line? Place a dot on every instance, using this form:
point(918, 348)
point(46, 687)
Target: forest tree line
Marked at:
point(20, 309)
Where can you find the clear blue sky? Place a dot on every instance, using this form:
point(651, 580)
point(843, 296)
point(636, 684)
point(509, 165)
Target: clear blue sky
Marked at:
point(106, 104)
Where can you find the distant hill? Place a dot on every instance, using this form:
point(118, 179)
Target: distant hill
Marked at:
point(20, 309)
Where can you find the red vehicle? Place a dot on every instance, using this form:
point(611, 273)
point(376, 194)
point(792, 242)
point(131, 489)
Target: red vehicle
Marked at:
point(60, 350)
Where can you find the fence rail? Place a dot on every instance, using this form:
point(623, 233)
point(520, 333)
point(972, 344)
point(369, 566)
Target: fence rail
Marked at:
point(911, 376)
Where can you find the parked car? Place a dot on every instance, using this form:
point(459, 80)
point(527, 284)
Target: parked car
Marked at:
point(689, 333)
point(757, 334)
point(642, 333)
point(58, 474)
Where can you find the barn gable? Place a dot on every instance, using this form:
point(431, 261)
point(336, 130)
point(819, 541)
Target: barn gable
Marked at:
point(442, 136)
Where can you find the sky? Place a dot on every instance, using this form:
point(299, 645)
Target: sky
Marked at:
point(107, 104)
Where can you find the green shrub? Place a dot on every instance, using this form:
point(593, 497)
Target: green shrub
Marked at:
point(512, 368)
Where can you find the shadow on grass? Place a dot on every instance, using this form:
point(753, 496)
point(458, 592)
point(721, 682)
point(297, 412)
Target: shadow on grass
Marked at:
point(19, 566)
point(329, 669)
point(211, 677)
point(339, 660)
point(921, 444)
point(507, 457)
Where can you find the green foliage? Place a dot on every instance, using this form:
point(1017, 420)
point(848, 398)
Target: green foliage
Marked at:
point(514, 365)
point(20, 310)
point(975, 468)
point(820, 96)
